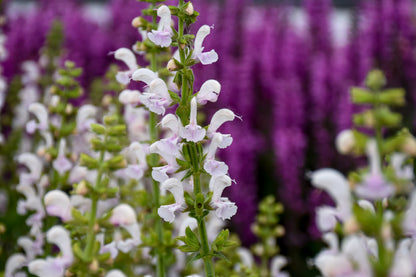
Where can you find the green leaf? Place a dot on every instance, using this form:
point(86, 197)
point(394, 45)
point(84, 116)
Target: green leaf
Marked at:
point(191, 238)
point(362, 96)
point(392, 97)
point(175, 97)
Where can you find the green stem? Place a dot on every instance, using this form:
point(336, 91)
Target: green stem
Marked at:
point(160, 266)
point(91, 224)
point(205, 250)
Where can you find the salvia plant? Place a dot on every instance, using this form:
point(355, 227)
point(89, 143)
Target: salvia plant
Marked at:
point(370, 230)
point(125, 180)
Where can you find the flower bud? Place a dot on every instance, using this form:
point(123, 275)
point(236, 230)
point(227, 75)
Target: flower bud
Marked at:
point(136, 22)
point(409, 146)
point(81, 188)
point(107, 99)
point(351, 226)
point(345, 142)
point(68, 109)
point(189, 10)
point(375, 80)
point(94, 266)
point(172, 65)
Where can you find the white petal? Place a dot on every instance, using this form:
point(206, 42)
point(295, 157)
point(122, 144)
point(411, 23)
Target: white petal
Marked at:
point(128, 96)
point(172, 122)
point(115, 273)
point(219, 118)
point(57, 203)
point(217, 185)
point(165, 18)
point(61, 238)
point(208, 57)
point(14, 263)
point(175, 187)
point(144, 75)
point(326, 218)
point(337, 186)
point(199, 38)
point(209, 91)
point(127, 56)
point(41, 113)
point(85, 114)
point(123, 215)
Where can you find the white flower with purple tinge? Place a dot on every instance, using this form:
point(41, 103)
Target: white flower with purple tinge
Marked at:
point(351, 261)
point(204, 57)
point(163, 35)
point(167, 212)
point(156, 98)
point(193, 132)
point(124, 216)
point(54, 267)
point(224, 209)
point(336, 185)
point(85, 117)
point(57, 203)
point(169, 150)
point(41, 113)
point(212, 166)
point(374, 185)
point(209, 91)
point(127, 56)
point(62, 163)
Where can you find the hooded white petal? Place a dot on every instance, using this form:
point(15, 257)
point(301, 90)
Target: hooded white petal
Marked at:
point(127, 56)
point(57, 203)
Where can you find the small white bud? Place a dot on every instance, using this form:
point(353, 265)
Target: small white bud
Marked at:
point(345, 142)
point(136, 22)
point(172, 65)
point(189, 9)
point(409, 146)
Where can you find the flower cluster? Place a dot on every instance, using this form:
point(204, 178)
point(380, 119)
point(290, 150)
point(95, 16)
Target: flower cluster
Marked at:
point(370, 205)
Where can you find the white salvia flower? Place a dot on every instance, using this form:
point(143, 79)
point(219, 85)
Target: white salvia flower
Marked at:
point(157, 97)
point(35, 166)
point(212, 166)
point(204, 57)
point(127, 56)
point(41, 113)
point(136, 120)
point(276, 266)
point(169, 150)
point(85, 117)
point(326, 218)
point(403, 172)
point(57, 203)
point(374, 185)
point(128, 96)
point(54, 267)
point(31, 72)
point(167, 212)
point(136, 156)
point(245, 256)
point(345, 141)
point(224, 208)
point(115, 273)
point(219, 118)
point(209, 92)
point(62, 163)
point(13, 264)
point(163, 35)
point(124, 215)
point(192, 131)
point(336, 185)
point(30, 247)
point(402, 263)
point(144, 75)
point(171, 122)
point(28, 95)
